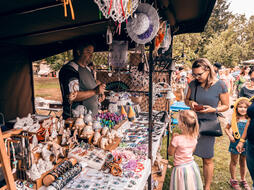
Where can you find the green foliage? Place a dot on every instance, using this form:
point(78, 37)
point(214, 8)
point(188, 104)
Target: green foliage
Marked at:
point(227, 39)
point(57, 61)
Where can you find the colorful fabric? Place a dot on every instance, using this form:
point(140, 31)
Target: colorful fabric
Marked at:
point(186, 177)
point(232, 146)
point(184, 149)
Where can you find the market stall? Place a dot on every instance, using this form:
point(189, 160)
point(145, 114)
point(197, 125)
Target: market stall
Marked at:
point(69, 154)
point(38, 150)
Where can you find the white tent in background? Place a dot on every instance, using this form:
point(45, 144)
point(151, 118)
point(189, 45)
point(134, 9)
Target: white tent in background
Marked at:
point(248, 62)
point(44, 70)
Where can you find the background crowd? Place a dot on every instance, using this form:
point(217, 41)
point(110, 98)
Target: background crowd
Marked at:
point(209, 90)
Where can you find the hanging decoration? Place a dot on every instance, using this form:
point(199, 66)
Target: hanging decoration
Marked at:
point(167, 39)
point(68, 2)
point(119, 54)
point(144, 24)
point(118, 10)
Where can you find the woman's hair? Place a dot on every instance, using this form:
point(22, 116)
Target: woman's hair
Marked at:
point(190, 121)
point(204, 63)
point(251, 70)
point(247, 103)
point(243, 70)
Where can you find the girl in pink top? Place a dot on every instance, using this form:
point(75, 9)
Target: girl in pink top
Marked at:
point(185, 174)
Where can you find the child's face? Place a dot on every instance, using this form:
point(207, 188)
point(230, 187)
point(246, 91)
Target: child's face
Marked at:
point(242, 109)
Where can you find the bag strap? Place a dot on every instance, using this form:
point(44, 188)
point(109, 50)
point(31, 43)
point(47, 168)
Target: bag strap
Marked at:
point(195, 94)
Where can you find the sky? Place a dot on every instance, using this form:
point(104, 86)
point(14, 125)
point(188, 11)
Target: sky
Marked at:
point(242, 7)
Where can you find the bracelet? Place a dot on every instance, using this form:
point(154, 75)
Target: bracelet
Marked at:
point(242, 140)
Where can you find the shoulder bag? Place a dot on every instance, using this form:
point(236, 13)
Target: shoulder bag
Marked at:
point(208, 127)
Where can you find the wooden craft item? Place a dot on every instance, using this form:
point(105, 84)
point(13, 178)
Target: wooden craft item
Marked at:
point(114, 144)
point(117, 126)
point(47, 179)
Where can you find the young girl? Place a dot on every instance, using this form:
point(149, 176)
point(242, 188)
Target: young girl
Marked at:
point(238, 123)
point(185, 174)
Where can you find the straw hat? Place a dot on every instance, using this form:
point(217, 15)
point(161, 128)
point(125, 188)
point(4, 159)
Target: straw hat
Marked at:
point(144, 24)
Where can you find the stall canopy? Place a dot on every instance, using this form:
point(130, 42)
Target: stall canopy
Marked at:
point(35, 29)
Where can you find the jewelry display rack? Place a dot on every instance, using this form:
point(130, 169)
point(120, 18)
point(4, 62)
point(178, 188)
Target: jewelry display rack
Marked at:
point(5, 161)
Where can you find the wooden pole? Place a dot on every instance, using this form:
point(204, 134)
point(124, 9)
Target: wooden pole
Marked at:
point(5, 161)
point(150, 137)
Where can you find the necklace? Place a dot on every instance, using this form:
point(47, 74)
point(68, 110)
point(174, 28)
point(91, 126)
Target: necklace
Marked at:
point(13, 154)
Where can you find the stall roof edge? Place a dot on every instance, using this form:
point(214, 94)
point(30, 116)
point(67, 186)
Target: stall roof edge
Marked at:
point(40, 25)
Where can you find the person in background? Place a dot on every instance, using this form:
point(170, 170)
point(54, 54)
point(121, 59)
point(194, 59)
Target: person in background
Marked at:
point(241, 79)
point(185, 174)
point(248, 135)
point(206, 91)
point(238, 124)
point(230, 80)
point(189, 77)
point(77, 83)
point(248, 89)
point(217, 67)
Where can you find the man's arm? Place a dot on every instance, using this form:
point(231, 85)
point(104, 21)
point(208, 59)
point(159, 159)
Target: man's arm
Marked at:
point(83, 95)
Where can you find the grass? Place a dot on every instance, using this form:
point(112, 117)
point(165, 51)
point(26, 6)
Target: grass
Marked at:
point(47, 87)
point(221, 165)
point(46, 83)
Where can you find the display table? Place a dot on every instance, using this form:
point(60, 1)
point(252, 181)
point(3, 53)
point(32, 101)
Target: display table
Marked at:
point(135, 136)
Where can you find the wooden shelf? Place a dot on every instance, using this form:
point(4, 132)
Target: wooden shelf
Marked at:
point(9, 133)
point(6, 166)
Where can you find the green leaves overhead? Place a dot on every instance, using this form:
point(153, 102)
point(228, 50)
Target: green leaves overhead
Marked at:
point(228, 38)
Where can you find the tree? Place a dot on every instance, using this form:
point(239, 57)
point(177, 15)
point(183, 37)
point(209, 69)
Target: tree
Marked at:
point(249, 39)
point(186, 47)
point(57, 61)
point(217, 23)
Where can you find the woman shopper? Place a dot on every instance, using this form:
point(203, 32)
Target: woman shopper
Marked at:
point(203, 96)
point(248, 90)
point(241, 79)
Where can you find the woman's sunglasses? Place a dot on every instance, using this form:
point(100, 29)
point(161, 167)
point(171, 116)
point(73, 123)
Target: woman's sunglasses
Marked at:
point(195, 75)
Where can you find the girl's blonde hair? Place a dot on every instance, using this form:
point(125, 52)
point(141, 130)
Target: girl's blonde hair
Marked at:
point(247, 103)
point(190, 121)
point(205, 63)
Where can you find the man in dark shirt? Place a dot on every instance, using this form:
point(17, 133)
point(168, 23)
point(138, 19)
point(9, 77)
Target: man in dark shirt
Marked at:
point(77, 82)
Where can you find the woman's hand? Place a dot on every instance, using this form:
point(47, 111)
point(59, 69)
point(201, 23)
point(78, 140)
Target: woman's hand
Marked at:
point(208, 109)
point(193, 104)
point(239, 147)
point(231, 138)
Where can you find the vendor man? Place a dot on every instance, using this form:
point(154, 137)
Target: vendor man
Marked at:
point(77, 83)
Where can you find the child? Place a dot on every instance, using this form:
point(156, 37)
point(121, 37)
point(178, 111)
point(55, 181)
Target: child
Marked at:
point(238, 123)
point(185, 174)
